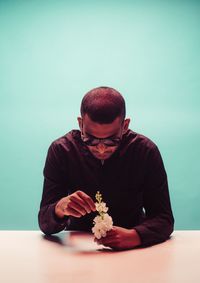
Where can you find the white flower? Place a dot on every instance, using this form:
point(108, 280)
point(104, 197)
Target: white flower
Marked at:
point(97, 219)
point(101, 207)
point(102, 225)
point(102, 222)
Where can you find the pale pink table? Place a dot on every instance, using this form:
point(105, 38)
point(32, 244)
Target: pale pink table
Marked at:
point(26, 256)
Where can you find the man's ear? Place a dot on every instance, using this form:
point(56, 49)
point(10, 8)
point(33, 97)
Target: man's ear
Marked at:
point(126, 125)
point(80, 123)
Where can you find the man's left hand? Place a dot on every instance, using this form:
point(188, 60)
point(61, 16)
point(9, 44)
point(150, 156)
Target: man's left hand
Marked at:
point(119, 238)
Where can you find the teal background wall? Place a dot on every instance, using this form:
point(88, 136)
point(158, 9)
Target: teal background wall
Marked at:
point(53, 52)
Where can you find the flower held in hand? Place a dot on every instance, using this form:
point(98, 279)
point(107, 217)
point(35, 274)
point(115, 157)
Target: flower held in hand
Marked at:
point(102, 222)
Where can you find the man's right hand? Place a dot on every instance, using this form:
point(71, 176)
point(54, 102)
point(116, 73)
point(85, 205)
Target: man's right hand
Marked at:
point(76, 204)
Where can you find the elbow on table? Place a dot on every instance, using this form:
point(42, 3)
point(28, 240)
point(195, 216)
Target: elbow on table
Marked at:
point(49, 224)
point(171, 226)
point(43, 225)
point(168, 229)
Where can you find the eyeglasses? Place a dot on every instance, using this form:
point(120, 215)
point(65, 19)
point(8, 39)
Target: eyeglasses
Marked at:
point(92, 141)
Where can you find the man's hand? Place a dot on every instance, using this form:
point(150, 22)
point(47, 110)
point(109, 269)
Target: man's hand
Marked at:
point(119, 238)
point(76, 204)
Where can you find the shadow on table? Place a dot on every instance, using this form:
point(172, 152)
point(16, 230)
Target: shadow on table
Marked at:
point(54, 239)
point(62, 238)
point(65, 239)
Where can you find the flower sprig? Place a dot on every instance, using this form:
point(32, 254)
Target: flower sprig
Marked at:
point(102, 222)
point(100, 206)
point(98, 197)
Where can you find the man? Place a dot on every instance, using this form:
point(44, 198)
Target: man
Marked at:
point(106, 156)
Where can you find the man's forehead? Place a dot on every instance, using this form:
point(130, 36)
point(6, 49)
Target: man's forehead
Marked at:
point(101, 130)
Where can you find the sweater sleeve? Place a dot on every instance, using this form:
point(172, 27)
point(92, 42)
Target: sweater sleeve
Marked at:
point(158, 222)
point(53, 190)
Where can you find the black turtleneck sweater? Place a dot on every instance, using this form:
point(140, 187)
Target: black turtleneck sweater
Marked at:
point(133, 183)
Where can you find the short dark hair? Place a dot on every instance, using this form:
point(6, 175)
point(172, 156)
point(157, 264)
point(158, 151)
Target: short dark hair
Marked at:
point(103, 105)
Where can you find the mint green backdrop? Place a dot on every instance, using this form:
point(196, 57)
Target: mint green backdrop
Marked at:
point(53, 52)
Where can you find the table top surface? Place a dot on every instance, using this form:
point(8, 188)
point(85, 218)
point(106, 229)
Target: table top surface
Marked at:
point(30, 256)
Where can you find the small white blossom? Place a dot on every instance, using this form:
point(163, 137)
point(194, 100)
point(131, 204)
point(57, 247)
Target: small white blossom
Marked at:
point(102, 222)
point(101, 207)
point(101, 226)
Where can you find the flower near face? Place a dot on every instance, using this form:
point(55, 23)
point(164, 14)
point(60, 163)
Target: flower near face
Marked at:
point(102, 222)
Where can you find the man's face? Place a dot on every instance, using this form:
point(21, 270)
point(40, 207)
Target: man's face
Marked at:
point(93, 130)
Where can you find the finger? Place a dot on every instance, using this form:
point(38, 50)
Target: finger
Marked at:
point(76, 207)
point(109, 243)
point(88, 199)
point(108, 236)
point(72, 212)
point(75, 198)
point(105, 240)
point(111, 232)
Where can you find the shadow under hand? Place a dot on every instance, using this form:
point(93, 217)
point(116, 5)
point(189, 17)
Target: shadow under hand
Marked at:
point(70, 239)
point(54, 239)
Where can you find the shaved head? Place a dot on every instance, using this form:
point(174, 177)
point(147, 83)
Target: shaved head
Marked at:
point(103, 105)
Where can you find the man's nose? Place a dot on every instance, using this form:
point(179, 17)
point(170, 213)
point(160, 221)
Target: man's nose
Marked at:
point(101, 147)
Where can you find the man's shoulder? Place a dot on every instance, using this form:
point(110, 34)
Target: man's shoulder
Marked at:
point(139, 140)
point(66, 140)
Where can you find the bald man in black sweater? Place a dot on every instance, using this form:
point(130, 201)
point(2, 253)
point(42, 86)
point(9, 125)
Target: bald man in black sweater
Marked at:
point(106, 156)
